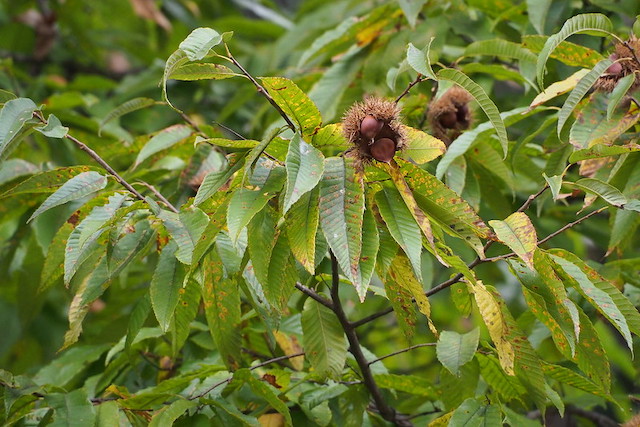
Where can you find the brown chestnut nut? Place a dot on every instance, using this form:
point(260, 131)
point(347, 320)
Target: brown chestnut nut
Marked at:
point(616, 67)
point(370, 126)
point(448, 119)
point(383, 150)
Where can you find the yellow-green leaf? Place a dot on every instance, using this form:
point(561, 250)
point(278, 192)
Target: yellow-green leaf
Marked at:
point(517, 232)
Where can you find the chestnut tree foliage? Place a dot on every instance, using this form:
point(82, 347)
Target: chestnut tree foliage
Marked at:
point(188, 237)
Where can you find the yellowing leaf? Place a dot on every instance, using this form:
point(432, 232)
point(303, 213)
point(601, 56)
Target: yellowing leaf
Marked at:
point(493, 318)
point(422, 147)
point(517, 232)
point(558, 88)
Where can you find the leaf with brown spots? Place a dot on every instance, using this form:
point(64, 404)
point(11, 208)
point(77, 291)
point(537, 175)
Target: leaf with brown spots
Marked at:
point(295, 103)
point(519, 234)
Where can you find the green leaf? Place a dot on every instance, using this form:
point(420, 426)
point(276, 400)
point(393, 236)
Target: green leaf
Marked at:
point(420, 61)
point(14, 116)
point(53, 266)
point(454, 349)
point(569, 377)
point(46, 182)
point(295, 103)
point(232, 411)
point(214, 180)
point(53, 128)
point(537, 10)
point(246, 202)
point(161, 141)
point(230, 143)
point(305, 165)
point(302, 224)
point(341, 216)
point(411, 9)
point(325, 39)
point(401, 225)
point(474, 413)
point(264, 391)
point(412, 384)
point(621, 89)
point(499, 47)
point(568, 53)
point(185, 228)
point(72, 409)
point(602, 150)
point(605, 297)
point(221, 299)
point(84, 236)
point(483, 100)
point(165, 286)
point(175, 61)
point(330, 136)
point(167, 415)
point(507, 386)
point(422, 147)
point(137, 318)
point(609, 193)
point(588, 22)
point(519, 234)
point(126, 108)
point(107, 414)
point(324, 343)
point(580, 91)
point(199, 42)
point(76, 188)
point(554, 183)
point(207, 71)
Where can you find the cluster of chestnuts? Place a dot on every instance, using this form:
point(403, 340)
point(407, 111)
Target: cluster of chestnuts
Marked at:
point(374, 129)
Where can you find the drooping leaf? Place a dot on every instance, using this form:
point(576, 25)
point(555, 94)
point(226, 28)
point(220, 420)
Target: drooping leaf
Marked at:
point(496, 324)
point(161, 141)
point(507, 386)
point(499, 47)
point(168, 414)
point(474, 413)
point(265, 391)
point(401, 225)
point(621, 89)
point(302, 225)
point(126, 108)
point(15, 119)
point(53, 128)
point(76, 188)
point(401, 273)
point(295, 103)
point(341, 216)
point(537, 11)
point(185, 228)
point(412, 384)
point(221, 299)
point(401, 299)
point(519, 234)
point(568, 53)
point(46, 182)
point(72, 409)
point(454, 349)
point(608, 192)
point(483, 100)
point(588, 22)
point(569, 377)
point(419, 60)
point(305, 165)
point(324, 342)
point(165, 286)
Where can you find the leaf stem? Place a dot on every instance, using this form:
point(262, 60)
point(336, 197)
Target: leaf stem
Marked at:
point(417, 80)
point(262, 91)
point(404, 350)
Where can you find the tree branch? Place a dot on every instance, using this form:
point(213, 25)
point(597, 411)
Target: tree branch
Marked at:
point(386, 411)
point(159, 195)
point(417, 80)
point(259, 365)
point(404, 350)
point(314, 295)
point(262, 91)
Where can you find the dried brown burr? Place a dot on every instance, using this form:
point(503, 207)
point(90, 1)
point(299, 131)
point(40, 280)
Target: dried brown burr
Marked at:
point(627, 56)
point(449, 115)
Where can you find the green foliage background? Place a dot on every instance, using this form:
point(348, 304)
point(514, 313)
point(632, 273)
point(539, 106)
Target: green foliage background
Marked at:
point(118, 311)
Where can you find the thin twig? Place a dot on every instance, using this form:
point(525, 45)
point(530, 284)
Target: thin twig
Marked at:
point(417, 80)
point(314, 295)
point(228, 129)
point(193, 124)
point(159, 195)
point(259, 365)
point(571, 224)
point(99, 160)
point(263, 91)
point(386, 411)
point(404, 350)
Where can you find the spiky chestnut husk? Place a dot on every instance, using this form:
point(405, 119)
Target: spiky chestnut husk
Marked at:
point(374, 128)
point(449, 115)
point(627, 64)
